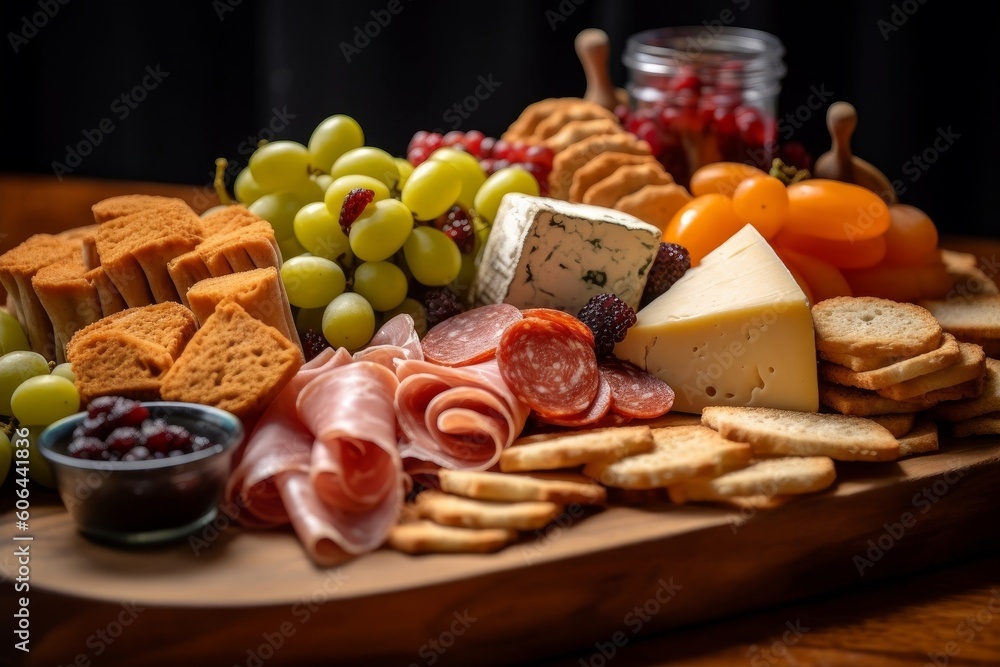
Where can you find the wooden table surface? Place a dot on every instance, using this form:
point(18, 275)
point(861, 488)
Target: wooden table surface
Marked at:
point(946, 616)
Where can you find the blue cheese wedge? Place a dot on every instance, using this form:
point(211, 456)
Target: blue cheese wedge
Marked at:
point(549, 253)
point(734, 330)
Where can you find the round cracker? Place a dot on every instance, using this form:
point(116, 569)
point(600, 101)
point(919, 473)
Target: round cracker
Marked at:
point(866, 325)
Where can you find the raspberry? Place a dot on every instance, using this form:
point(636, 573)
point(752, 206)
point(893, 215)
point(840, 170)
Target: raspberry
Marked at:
point(354, 203)
point(313, 343)
point(441, 303)
point(609, 318)
point(458, 227)
point(672, 261)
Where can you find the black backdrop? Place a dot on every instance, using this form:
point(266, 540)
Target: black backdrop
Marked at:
point(217, 74)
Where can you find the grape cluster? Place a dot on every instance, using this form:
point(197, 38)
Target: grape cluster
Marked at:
point(364, 234)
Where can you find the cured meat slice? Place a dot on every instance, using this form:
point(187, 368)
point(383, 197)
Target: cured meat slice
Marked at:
point(597, 411)
point(278, 444)
point(634, 392)
point(574, 324)
point(459, 418)
point(355, 472)
point(470, 337)
point(548, 367)
point(396, 339)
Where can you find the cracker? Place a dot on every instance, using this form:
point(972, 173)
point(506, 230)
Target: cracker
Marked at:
point(565, 163)
point(988, 400)
point(515, 488)
point(865, 325)
point(533, 114)
point(864, 403)
point(769, 477)
point(552, 451)
point(575, 130)
point(625, 181)
point(655, 203)
point(571, 110)
point(421, 537)
point(679, 453)
point(922, 438)
point(601, 166)
point(774, 432)
point(971, 366)
point(898, 424)
point(947, 354)
point(452, 510)
point(988, 424)
point(973, 316)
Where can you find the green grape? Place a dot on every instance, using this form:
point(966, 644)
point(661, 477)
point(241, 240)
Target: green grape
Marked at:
point(6, 456)
point(44, 399)
point(280, 165)
point(414, 309)
point(312, 282)
point(65, 370)
point(212, 211)
point(340, 188)
point(289, 248)
point(433, 258)
point(332, 138)
point(15, 368)
point(405, 169)
point(320, 233)
point(431, 189)
point(308, 190)
point(383, 284)
point(502, 182)
point(309, 318)
point(349, 321)
point(39, 470)
point(367, 161)
point(324, 181)
point(12, 336)
point(468, 168)
point(246, 189)
point(278, 208)
point(381, 230)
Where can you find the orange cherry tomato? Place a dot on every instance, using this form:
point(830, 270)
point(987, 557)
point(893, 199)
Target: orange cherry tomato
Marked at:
point(825, 280)
point(835, 210)
point(911, 238)
point(721, 177)
point(703, 224)
point(841, 254)
point(763, 202)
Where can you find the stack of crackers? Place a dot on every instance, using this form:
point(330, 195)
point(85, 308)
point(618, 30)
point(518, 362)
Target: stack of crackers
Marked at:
point(596, 161)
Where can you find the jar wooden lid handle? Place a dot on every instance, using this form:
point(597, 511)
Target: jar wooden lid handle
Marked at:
point(593, 48)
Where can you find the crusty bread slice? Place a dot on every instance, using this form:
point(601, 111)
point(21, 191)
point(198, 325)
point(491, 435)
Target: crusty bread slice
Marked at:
point(765, 478)
point(243, 248)
point(234, 362)
point(114, 363)
point(971, 366)
point(988, 424)
point(973, 316)
point(864, 403)
point(168, 325)
point(421, 537)
point(987, 402)
point(70, 300)
point(451, 510)
point(228, 219)
point(111, 299)
point(874, 326)
point(898, 424)
point(186, 271)
point(921, 439)
point(122, 205)
point(774, 432)
point(259, 291)
point(679, 453)
point(947, 354)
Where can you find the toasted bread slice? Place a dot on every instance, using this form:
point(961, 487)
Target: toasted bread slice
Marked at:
point(509, 487)
point(122, 205)
point(988, 424)
point(968, 317)
point(70, 300)
point(898, 424)
point(922, 438)
point(244, 248)
point(168, 325)
point(766, 478)
point(451, 510)
point(114, 363)
point(947, 354)
point(986, 403)
point(234, 362)
point(970, 367)
point(864, 403)
point(228, 219)
point(111, 299)
point(874, 326)
point(421, 537)
point(552, 451)
point(773, 432)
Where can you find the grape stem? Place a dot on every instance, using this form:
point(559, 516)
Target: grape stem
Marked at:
point(787, 173)
point(220, 182)
point(7, 428)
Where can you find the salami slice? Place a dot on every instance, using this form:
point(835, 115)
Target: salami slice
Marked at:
point(551, 370)
point(597, 411)
point(634, 392)
point(577, 327)
point(470, 337)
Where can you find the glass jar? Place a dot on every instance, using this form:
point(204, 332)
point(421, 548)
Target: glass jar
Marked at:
point(702, 94)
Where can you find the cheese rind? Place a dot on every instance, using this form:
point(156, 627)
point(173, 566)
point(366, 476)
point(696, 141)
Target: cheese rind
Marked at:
point(548, 253)
point(735, 330)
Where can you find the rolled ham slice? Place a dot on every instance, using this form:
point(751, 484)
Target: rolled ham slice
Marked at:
point(396, 339)
point(353, 491)
point(459, 418)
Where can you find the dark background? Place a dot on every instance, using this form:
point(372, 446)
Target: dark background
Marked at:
point(230, 64)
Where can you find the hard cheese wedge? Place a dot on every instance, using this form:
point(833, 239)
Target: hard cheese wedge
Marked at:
point(735, 330)
point(549, 253)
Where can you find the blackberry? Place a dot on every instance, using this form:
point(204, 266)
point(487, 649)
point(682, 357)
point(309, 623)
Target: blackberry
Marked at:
point(313, 343)
point(672, 261)
point(609, 318)
point(354, 204)
point(441, 303)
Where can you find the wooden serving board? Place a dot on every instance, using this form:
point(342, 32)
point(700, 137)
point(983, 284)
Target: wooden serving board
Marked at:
point(253, 598)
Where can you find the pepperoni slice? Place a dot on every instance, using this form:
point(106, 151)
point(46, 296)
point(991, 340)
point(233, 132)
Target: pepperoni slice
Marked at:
point(574, 324)
point(470, 337)
point(634, 392)
point(598, 409)
point(550, 370)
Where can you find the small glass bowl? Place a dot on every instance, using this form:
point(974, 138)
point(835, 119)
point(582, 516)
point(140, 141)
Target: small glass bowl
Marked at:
point(146, 502)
